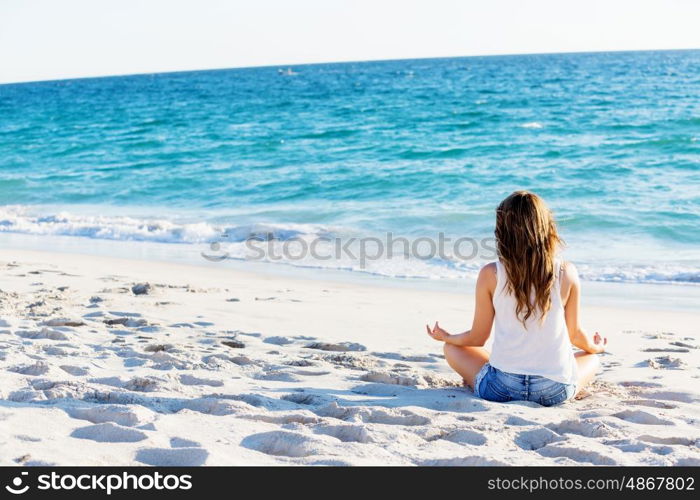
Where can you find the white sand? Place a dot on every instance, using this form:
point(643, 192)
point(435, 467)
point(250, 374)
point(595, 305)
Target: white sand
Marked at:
point(160, 386)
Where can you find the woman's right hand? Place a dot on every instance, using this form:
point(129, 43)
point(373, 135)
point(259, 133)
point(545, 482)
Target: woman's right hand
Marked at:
point(600, 342)
point(437, 333)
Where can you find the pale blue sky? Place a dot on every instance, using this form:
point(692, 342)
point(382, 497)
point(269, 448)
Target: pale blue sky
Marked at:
point(50, 39)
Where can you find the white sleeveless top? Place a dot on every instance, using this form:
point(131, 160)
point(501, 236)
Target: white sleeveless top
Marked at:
point(542, 349)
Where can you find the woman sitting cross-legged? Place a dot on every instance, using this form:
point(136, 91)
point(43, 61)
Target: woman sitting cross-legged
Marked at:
point(530, 298)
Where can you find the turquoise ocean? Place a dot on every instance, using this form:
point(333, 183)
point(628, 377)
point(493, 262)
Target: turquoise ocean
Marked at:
point(413, 148)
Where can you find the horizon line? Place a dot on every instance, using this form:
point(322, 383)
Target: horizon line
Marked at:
point(350, 61)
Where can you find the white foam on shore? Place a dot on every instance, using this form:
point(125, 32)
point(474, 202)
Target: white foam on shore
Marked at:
point(290, 244)
point(21, 219)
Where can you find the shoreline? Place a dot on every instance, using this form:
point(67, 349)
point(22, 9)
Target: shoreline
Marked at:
point(681, 297)
point(458, 301)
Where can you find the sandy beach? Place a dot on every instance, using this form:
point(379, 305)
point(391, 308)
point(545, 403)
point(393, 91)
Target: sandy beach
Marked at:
point(108, 361)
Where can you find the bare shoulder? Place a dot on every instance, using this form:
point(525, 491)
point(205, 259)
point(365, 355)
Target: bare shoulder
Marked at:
point(569, 271)
point(488, 270)
point(569, 278)
point(487, 275)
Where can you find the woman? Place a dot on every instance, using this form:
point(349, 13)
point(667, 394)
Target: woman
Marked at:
point(531, 299)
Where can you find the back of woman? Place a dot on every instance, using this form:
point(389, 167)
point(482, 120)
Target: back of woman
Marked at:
point(537, 346)
point(530, 299)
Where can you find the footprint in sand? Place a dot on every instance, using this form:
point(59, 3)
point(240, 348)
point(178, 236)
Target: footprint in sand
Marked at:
point(576, 454)
point(627, 445)
point(650, 403)
point(29, 439)
point(636, 385)
point(466, 436)
point(298, 417)
point(687, 462)
point(158, 347)
point(350, 433)
point(127, 314)
point(383, 390)
point(177, 442)
point(172, 457)
point(681, 397)
point(354, 361)
point(287, 444)
point(109, 432)
point(665, 362)
point(132, 362)
point(192, 380)
point(278, 340)
point(681, 440)
point(336, 347)
point(469, 461)
point(64, 322)
point(35, 369)
point(139, 384)
point(311, 373)
point(248, 334)
point(684, 345)
point(277, 376)
point(44, 333)
point(391, 378)
point(390, 416)
point(305, 399)
point(217, 407)
point(641, 417)
point(414, 358)
point(116, 321)
point(300, 362)
point(665, 349)
point(77, 371)
point(585, 427)
point(516, 420)
point(537, 438)
point(217, 361)
point(124, 415)
point(233, 344)
point(119, 289)
point(181, 325)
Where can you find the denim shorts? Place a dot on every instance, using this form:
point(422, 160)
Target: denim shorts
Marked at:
point(493, 384)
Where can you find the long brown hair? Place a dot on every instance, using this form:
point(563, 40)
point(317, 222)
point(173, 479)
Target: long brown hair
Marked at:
point(527, 242)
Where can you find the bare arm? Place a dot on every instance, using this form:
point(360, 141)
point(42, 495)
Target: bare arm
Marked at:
point(572, 305)
point(483, 313)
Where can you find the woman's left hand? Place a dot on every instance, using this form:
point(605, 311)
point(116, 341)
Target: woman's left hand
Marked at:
point(437, 333)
